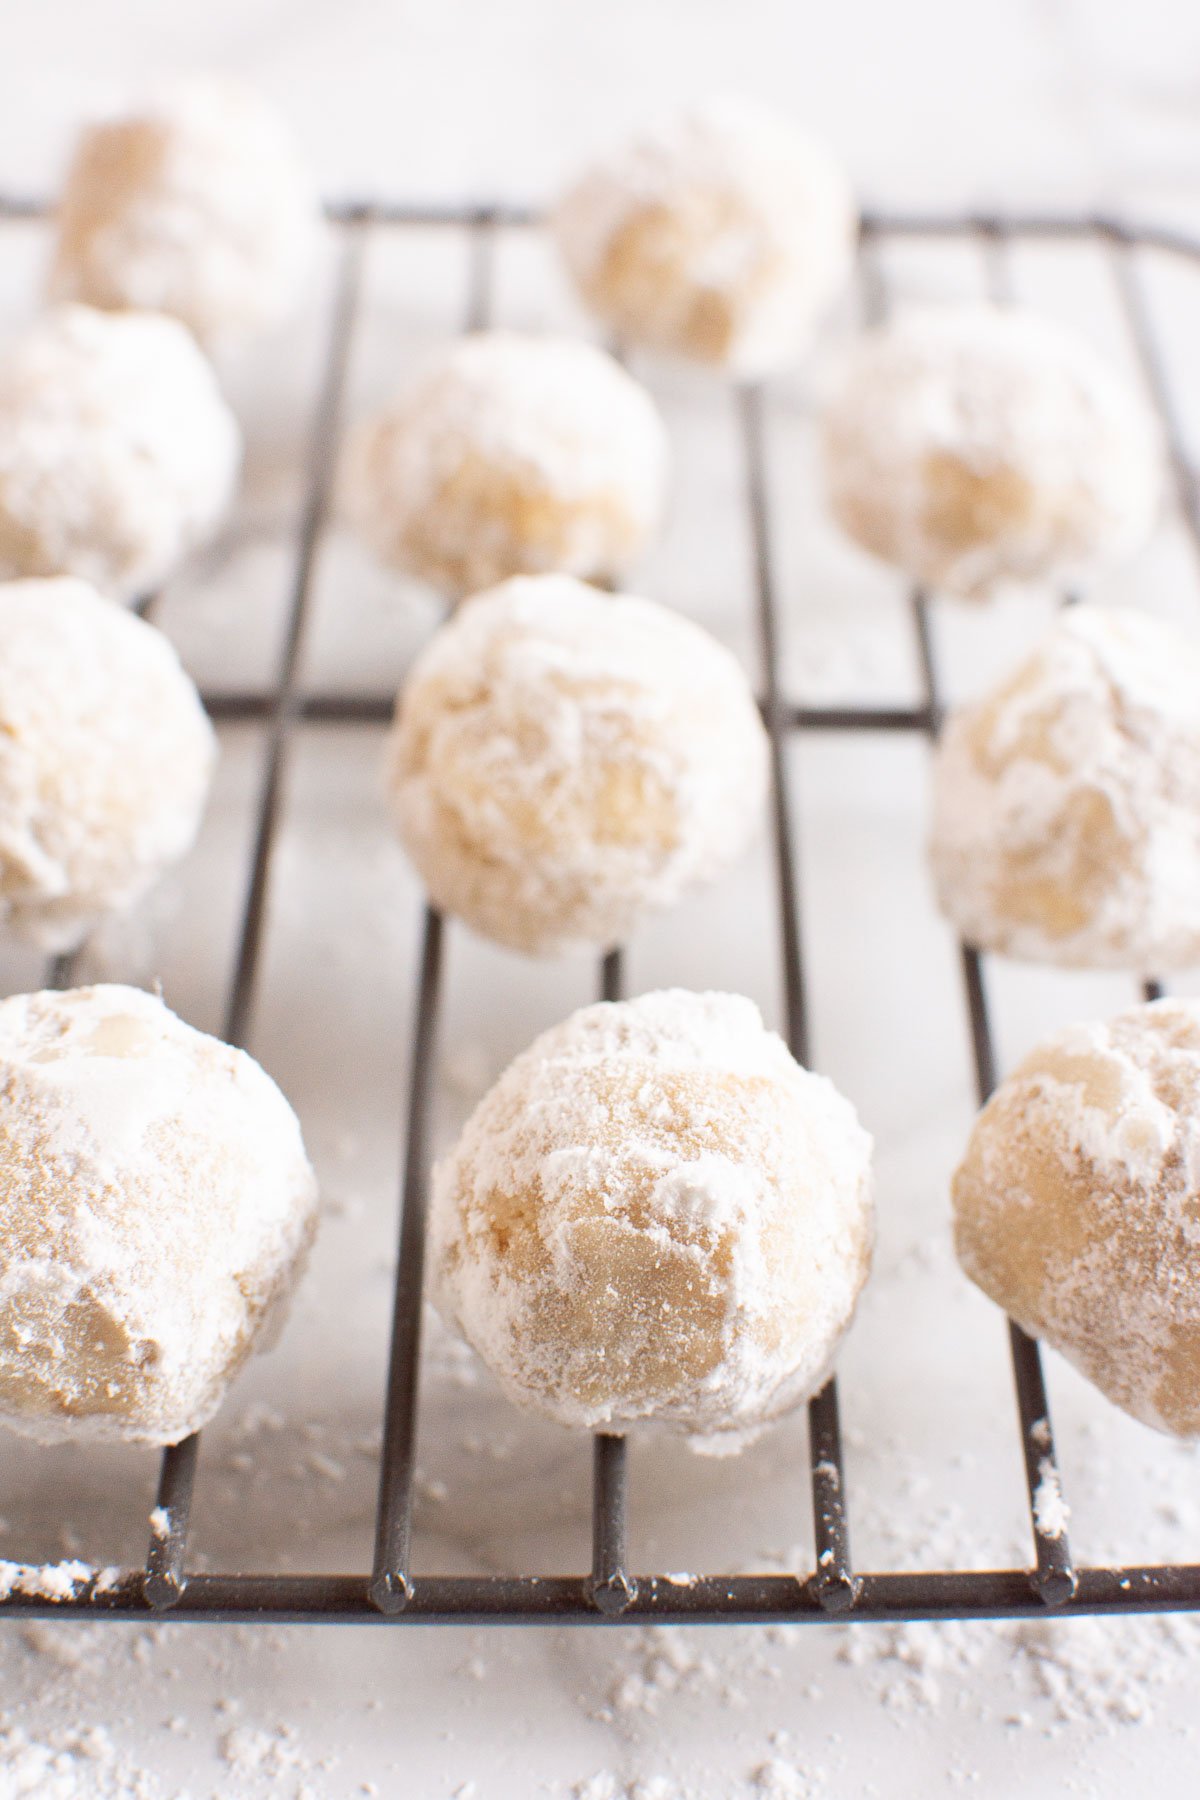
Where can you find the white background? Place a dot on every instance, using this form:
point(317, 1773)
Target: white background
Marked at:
point(932, 104)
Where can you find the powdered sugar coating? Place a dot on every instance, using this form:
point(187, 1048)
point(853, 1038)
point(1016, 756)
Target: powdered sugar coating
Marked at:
point(656, 1215)
point(105, 758)
point(972, 444)
point(1066, 802)
point(195, 203)
point(1077, 1206)
point(720, 234)
point(564, 762)
point(156, 1205)
point(514, 454)
point(117, 452)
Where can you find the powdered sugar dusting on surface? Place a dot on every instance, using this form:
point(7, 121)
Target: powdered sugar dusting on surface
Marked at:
point(1049, 1508)
point(69, 1764)
point(728, 1186)
point(45, 1581)
point(1066, 799)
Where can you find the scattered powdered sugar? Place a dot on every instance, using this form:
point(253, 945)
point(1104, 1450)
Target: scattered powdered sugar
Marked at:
point(970, 444)
point(719, 233)
point(68, 1764)
point(662, 1662)
point(1058, 1673)
point(601, 1786)
point(779, 1780)
point(250, 1749)
point(564, 762)
point(53, 1581)
point(513, 452)
point(1065, 800)
point(1049, 1508)
point(656, 1214)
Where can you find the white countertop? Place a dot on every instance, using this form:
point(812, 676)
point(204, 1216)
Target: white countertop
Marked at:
point(934, 104)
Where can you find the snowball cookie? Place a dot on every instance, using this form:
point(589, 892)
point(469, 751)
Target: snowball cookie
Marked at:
point(656, 1214)
point(563, 761)
point(105, 758)
point(1077, 1207)
point(1066, 802)
point(196, 204)
point(156, 1205)
point(970, 444)
point(720, 235)
point(513, 455)
point(117, 453)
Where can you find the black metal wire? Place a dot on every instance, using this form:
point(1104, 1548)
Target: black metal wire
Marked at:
point(252, 707)
point(391, 1582)
point(612, 1588)
point(391, 1585)
point(833, 1582)
point(775, 717)
point(888, 1597)
point(609, 1592)
point(875, 222)
point(165, 1578)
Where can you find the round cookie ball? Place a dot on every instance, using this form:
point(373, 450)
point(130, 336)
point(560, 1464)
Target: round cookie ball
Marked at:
point(195, 204)
point(1066, 802)
point(564, 762)
point(1077, 1206)
point(105, 758)
point(513, 455)
point(656, 1214)
point(117, 453)
point(972, 444)
point(156, 1206)
point(719, 235)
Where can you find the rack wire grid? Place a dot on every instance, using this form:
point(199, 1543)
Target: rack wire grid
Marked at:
point(610, 1591)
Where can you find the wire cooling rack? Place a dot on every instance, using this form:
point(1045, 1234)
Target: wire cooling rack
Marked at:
point(610, 1591)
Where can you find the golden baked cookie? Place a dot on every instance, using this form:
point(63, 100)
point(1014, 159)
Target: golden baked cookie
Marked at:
point(194, 204)
point(720, 234)
point(971, 444)
point(118, 454)
point(656, 1215)
point(514, 454)
point(105, 759)
point(1077, 1206)
point(156, 1206)
point(564, 762)
point(1066, 802)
